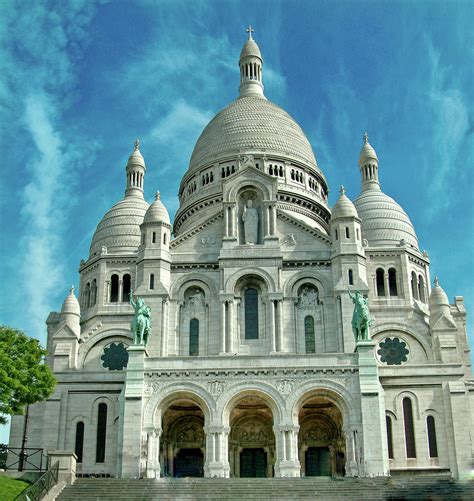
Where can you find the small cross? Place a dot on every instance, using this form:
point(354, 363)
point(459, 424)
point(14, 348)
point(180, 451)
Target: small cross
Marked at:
point(250, 30)
point(366, 137)
point(137, 143)
point(342, 191)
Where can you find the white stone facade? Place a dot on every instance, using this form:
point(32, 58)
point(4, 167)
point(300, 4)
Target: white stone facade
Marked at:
point(252, 365)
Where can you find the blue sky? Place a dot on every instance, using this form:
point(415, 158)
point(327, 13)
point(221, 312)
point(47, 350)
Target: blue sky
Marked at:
point(82, 79)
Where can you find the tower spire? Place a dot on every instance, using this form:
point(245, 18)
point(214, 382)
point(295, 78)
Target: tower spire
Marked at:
point(251, 64)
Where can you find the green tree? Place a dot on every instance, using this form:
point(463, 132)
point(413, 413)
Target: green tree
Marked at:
point(24, 378)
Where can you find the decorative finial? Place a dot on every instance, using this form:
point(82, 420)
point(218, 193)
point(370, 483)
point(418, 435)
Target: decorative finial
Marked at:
point(436, 281)
point(71, 290)
point(250, 30)
point(366, 137)
point(137, 144)
point(157, 195)
point(342, 190)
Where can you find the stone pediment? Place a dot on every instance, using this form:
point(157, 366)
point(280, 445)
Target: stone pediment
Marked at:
point(65, 332)
point(444, 322)
point(289, 224)
point(205, 237)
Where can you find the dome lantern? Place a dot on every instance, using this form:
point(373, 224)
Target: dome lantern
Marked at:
point(369, 166)
point(251, 64)
point(135, 172)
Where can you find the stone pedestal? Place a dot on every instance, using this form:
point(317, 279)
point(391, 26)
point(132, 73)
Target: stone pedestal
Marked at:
point(67, 465)
point(217, 452)
point(374, 459)
point(132, 443)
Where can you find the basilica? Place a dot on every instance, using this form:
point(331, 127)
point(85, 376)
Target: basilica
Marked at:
point(251, 367)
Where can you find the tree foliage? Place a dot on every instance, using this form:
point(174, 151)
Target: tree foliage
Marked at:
point(24, 378)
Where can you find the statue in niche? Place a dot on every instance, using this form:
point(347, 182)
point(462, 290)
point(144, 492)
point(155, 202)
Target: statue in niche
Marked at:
point(361, 317)
point(141, 322)
point(250, 220)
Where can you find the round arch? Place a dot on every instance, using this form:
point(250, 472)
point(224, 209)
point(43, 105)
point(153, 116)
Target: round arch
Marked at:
point(264, 275)
point(240, 185)
point(91, 341)
point(259, 389)
point(293, 283)
point(334, 392)
point(160, 401)
point(179, 287)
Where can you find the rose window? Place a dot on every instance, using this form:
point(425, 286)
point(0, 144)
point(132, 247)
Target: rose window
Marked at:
point(115, 357)
point(393, 351)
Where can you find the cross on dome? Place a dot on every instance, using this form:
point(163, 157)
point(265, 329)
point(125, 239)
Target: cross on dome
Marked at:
point(250, 30)
point(342, 190)
point(137, 144)
point(366, 137)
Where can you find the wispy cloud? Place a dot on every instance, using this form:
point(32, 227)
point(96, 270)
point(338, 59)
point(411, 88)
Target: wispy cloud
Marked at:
point(41, 42)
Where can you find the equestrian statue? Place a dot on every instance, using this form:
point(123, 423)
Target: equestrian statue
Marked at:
point(141, 323)
point(361, 317)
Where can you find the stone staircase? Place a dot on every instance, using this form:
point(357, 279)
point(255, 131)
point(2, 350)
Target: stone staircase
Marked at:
point(407, 488)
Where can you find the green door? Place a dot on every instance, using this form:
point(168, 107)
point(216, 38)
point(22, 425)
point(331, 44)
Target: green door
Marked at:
point(189, 463)
point(318, 462)
point(253, 463)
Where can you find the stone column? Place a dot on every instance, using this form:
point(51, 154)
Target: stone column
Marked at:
point(279, 341)
point(230, 327)
point(272, 326)
point(352, 468)
point(374, 460)
point(164, 328)
point(120, 295)
point(274, 220)
point(217, 462)
point(223, 327)
point(153, 469)
point(287, 463)
point(132, 413)
point(107, 291)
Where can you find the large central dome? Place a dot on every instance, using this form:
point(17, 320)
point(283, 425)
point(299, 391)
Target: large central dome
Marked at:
point(252, 124)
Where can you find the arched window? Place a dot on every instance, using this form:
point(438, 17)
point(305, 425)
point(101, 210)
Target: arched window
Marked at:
point(357, 234)
point(336, 234)
point(94, 292)
point(380, 280)
point(351, 277)
point(87, 295)
point(414, 285)
point(388, 421)
point(153, 237)
point(194, 337)
point(432, 443)
point(251, 314)
point(421, 288)
point(409, 428)
point(126, 284)
point(347, 232)
point(114, 288)
point(79, 446)
point(101, 433)
point(310, 342)
point(392, 282)
point(165, 238)
point(152, 281)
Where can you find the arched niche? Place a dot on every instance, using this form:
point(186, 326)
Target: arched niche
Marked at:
point(251, 216)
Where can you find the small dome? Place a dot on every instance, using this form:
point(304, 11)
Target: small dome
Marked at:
point(438, 298)
point(367, 153)
point(71, 304)
point(157, 212)
point(119, 229)
point(384, 222)
point(344, 207)
point(250, 48)
point(136, 158)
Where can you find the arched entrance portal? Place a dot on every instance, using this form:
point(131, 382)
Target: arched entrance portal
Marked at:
point(251, 439)
point(183, 444)
point(321, 443)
